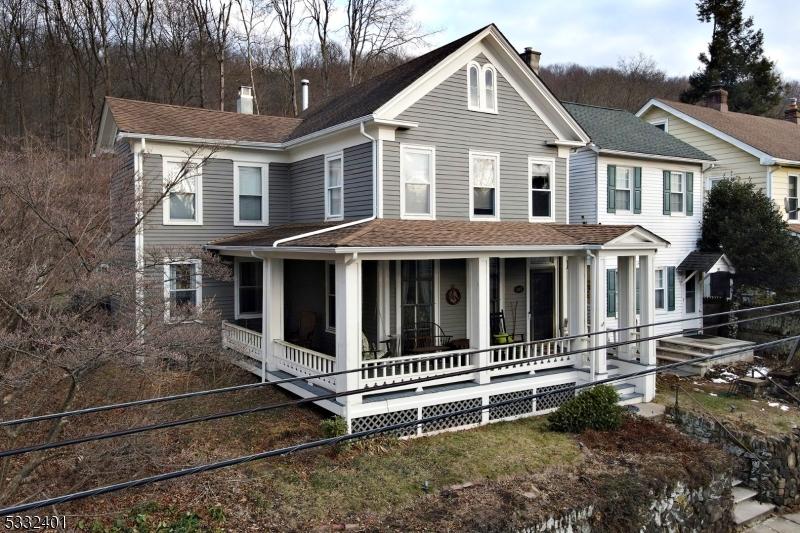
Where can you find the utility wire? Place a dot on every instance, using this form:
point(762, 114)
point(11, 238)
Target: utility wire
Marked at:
point(247, 386)
point(352, 436)
point(333, 395)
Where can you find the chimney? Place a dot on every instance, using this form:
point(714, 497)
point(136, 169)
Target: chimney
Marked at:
point(304, 94)
point(531, 57)
point(790, 113)
point(717, 98)
point(244, 103)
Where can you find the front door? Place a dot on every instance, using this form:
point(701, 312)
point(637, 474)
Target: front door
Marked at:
point(542, 296)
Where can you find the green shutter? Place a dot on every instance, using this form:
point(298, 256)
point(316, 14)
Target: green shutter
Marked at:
point(637, 190)
point(667, 209)
point(670, 288)
point(689, 193)
point(638, 298)
point(611, 292)
point(612, 188)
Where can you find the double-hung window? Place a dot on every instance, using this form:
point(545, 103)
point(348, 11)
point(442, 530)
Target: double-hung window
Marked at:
point(484, 177)
point(182, 288)
point(622, 189)
point(334, 186)
point(481, 87)
point(676, 193)
point(330, 296)
point(661, 291)
point(417, 176)
point(541, 172)
point(183, 198)
point(249, 285)
point(250, 194)
point(791, 199)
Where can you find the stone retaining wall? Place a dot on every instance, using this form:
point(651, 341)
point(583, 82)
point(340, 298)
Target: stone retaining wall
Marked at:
point(766, 464)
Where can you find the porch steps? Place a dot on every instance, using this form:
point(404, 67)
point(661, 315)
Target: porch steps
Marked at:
point(746, 509)
point(688, 349)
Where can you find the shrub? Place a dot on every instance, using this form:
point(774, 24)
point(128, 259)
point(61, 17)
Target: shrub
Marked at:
point(333, 427)
point(594, 408)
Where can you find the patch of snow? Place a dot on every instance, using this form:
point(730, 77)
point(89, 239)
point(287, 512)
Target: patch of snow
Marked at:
point(784, 407)
point(719, 380)
point(773, 404)
point(712, 394)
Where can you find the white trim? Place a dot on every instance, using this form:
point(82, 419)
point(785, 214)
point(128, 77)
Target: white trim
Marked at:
point(663, 287)
point(683, 193)
point(198, 274)
point(332, 157)
point(328, 265)
point(264, 194)
point(198, 176)
point(661, 122)
point(475, 154)
point(482, 103)
point(431, 151)
point(542, 161)
point(796, 219)
point(237, 263)
point(639, 155)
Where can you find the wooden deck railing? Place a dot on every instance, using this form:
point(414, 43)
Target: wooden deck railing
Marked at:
point(300, 361)
point(242, 340)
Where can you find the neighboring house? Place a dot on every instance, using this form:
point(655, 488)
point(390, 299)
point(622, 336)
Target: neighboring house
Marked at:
point(423, 212)
point(763, 150)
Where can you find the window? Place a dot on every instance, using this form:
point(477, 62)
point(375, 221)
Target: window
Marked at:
point(330, 296)
point(416, 303)
point(334, 187)
point(661, 124)
point(712, 182)
point(481, 88)
point(622, 189)
point(250, 191)
point(541, 194)
point(484, 170)
point(660, 288)
point(791, 200)
point(417, 173)
point(691, 291)
point(676, 192)
point(183, 192)
point(182, 288)
point(611, 292)
point(249, 287)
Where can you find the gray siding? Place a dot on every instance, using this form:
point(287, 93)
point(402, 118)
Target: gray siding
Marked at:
point(358, 181)
point(515, 132)
point(583, 187)
point(122, 202)
point(453, 318)
point(280, 211)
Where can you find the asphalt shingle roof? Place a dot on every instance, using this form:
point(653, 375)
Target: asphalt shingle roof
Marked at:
point(701, 261)
point(617, 129)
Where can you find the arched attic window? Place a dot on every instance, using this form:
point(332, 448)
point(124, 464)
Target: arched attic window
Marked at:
point(489, 83)
point(474, 85)
point(482, 87)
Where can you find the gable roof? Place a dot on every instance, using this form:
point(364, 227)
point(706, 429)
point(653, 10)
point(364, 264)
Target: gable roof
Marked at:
point(704, 262)
point(777, 138)
point(620, 130)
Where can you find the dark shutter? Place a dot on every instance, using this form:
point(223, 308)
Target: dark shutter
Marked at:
point(611, 292)
point(637, 190)
point(689, 193)
point(670, 288)
point(667, 209)
point(612, 188)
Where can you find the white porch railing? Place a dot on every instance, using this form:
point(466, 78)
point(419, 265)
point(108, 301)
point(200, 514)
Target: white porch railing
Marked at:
point(242, 340)
point(300, 361)
point(613, 337)
point(376, 372)
point(554, 352)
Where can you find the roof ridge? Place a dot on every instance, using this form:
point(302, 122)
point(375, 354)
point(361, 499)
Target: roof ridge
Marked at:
point(596, 106)
point(738, 113)
point(195, 108)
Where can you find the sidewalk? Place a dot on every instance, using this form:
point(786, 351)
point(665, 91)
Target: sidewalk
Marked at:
point(789, 523)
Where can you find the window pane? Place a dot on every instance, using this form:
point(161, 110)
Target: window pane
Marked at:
point(676, 182)
point(250, 181)
point(484, 171)
point(250, 300)
point(182, 276)
point(184, 298)
point(659, 279)
point(181, 177)
point(416, 167)
point(249, 208)
point(660, 299)
point(623, 178)
point(623, 199)
point(540, 203)
point(483, 201)
point(474, 99)
point(250, 274)
point(540, 176)
point(676, 202)
point(334, 172)
point(489, 84)
point(335, 201)
point(424, 292)
point(181, 206)
point(417, 199)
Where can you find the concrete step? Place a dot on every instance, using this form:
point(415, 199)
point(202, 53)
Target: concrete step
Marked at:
point(736, 482)
point(741, 494)
point(668, 358)
point(677, 352)
point(631, 398)
point(749, 511)
point(624, 388)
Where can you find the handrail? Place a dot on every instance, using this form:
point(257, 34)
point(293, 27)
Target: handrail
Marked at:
point(282, 342)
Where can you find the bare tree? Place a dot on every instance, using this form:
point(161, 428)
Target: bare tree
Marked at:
point(250, 21)
point(286, 17)
point(319, 13)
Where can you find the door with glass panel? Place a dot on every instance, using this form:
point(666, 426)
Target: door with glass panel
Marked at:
point(416, 302)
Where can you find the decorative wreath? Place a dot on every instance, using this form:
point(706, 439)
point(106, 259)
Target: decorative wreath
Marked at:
point(453, 296)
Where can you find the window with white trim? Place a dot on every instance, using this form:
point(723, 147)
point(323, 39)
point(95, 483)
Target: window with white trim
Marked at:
point(182, 288)
point(334, 186)
point(791, 199)
point(660, 283)
point(622, 188)
point(484, 179)
point(250, 287)
point(183, 199)
point(677, 199)
point(662, 124)
point(330, 296)
point(541, 172)
point(417, 175)
point(250, 206)
point(481, 87)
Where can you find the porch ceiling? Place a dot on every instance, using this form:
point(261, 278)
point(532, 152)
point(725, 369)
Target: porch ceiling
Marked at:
point(389, 233)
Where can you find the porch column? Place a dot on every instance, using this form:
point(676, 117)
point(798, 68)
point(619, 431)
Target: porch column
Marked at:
point(478, 299)
point(271, 311)
point(576, 306)
point(626, 280)
point(348, 326)
point(599, 363)
point(647, 349)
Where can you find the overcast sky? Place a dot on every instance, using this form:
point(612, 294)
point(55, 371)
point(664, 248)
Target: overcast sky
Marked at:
point(599, 32)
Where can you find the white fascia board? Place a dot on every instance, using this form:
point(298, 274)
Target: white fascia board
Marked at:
point(637, 155)
point(199, 141)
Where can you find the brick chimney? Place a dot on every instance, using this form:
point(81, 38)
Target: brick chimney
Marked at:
point(717, 98)
point(790, 113)
point(531, 57)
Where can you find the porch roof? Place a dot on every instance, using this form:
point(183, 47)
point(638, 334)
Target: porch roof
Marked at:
point(387, 233)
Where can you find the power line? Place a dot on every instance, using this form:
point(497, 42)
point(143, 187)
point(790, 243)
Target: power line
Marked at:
point(247, 386)
point(333, 395)
point(358, 435)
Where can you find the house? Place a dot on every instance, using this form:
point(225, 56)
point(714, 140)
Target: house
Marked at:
point(763, 150)
point(413, 219)
point(635, 173)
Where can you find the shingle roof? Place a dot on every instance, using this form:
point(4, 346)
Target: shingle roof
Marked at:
point(415, 233)
point(701, 261)
point(776, 137)
point(134, 116)
point(617, 129)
